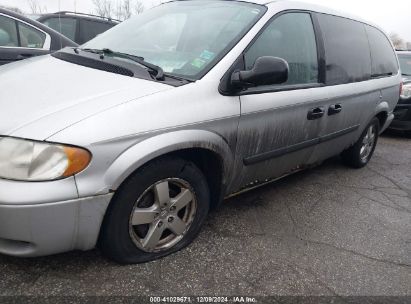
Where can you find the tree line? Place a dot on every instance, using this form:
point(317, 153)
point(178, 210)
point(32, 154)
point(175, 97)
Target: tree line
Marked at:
point(114, 9)
point(121, 10)
point(399, 43)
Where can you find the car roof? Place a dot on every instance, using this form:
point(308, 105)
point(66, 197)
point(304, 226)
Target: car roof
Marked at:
point(80, 16)
point(399, 52)
point(21, 17)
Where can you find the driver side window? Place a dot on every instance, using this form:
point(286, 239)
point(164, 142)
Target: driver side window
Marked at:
point(8, 32)
point(290, 37)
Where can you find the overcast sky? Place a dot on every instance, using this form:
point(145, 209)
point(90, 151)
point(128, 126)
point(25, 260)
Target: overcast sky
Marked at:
point(392, 16)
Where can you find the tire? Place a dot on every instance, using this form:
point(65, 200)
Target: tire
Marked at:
point(127, 239)
point(358, 155)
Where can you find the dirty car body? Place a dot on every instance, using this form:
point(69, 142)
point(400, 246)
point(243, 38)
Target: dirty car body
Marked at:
point(202, 115)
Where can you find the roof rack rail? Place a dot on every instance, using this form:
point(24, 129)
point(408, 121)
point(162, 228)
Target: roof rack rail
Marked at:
point(88, 15)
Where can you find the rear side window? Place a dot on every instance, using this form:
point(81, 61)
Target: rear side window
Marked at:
point(8, 32)
point(290, 37)
point(346, 48)
point(30, 37)
point(65, 26)
point(384, 62)
point(90, 29)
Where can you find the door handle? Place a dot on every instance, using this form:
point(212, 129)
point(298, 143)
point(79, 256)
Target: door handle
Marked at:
point(334, 109)
point(315, 113)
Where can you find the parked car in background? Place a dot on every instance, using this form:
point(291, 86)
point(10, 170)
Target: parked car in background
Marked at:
point(22, 37)
point(131, 139)
point(76, 26)
point(33, 16)
point(402, 113)
point(404, 58)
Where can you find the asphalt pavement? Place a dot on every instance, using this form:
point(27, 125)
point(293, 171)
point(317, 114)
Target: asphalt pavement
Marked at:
point(331, 231)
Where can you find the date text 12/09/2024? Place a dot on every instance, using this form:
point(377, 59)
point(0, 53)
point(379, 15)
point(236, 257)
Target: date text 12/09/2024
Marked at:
point(235, 299)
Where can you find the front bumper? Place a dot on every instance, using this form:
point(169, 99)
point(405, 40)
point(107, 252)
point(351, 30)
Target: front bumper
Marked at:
point(402, 119)
point(32, 224)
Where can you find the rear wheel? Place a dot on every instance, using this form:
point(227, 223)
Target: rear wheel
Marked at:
point(157, 211)
point(361, 152)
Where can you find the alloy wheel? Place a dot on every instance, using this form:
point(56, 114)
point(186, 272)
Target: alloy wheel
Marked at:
point(162, 215)
point(368, 143)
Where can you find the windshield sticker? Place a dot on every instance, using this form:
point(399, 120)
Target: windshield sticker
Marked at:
point(169, 66)
point(198, 63)
point(207, 55)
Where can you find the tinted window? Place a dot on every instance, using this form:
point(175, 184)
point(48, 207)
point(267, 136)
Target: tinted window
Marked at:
point(8, 32)
point(65, 26)
point(291, 37)
point(30, 37)
point(346, 48)
point(90, 29)
point(384, 62)
point(405, 64)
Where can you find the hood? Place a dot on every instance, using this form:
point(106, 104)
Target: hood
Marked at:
point(41, 96)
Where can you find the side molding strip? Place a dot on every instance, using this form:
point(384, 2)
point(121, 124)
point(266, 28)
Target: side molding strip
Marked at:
point(300, 146)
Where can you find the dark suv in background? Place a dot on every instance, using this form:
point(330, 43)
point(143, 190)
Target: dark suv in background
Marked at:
point(402, 120)
point(22, 37)
point(77, 27)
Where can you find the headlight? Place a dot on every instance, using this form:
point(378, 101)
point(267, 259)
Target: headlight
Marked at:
point(27, 160)
point(406, 91)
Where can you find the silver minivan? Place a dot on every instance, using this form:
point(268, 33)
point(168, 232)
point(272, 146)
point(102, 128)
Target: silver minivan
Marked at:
point(128, 141)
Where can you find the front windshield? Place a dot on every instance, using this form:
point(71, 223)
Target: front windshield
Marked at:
point(184, 38)
point(405, 64)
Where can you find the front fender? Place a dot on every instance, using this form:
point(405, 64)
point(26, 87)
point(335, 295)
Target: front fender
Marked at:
point(153, 147)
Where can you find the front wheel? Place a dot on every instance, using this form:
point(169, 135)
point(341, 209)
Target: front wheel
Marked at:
point(358, 155)
point(157, 211)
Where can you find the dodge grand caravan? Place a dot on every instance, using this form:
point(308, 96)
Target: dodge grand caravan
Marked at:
point(130, 140)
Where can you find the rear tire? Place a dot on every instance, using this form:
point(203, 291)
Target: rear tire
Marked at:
point(157, 211)
point(358, 155)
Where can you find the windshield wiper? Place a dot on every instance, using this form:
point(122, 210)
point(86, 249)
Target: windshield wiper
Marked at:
point(406, 74)
point(180, 78)
point(140, 60)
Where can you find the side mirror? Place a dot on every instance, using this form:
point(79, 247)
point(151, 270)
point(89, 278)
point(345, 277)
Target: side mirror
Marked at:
point(267, 70)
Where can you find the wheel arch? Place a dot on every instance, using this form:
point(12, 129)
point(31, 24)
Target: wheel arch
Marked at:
point(382, 113)
point(382, 118)
point(208, 150)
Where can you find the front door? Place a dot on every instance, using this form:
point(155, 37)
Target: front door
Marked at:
point(280, 124)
